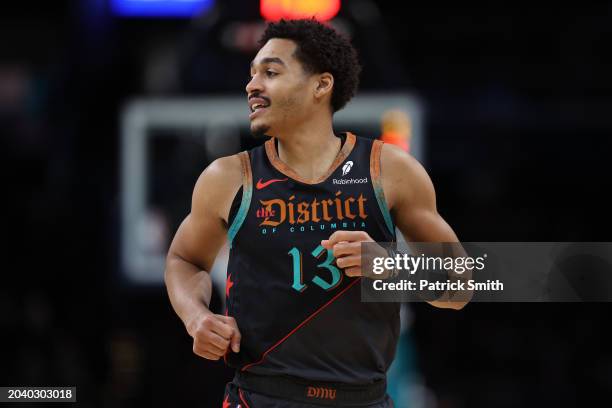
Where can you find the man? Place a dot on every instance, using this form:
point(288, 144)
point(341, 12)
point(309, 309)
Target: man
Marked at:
point(295, 212)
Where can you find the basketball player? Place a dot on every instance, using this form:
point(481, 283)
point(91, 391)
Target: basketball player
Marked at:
point(294, 212)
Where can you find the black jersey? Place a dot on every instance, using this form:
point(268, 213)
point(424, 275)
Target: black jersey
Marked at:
point(298, 313)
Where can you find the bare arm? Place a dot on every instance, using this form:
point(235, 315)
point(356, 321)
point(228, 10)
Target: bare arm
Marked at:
point(412, 201)
point(411, 198)
point(192, 254)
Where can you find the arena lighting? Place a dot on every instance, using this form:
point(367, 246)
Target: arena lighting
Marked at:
point(160, 8)
point(322, 10)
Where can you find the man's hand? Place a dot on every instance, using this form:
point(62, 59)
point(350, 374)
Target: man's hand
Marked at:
point(346, 247)
point(212, 335)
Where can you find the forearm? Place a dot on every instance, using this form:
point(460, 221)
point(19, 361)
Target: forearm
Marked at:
point(456, 299)
point(443, 251)
point(189, 288)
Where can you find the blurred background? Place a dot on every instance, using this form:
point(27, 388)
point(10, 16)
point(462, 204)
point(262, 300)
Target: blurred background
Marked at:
point(514, 111)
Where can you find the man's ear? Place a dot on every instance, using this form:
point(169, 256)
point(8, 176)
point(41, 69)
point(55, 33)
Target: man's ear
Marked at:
point(324, 85)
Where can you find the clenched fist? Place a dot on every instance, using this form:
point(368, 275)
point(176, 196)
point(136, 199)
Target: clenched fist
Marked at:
point(212, 335)
point(346, 247)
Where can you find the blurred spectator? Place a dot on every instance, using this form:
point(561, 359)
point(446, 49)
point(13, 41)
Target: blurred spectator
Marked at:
point(397, 129)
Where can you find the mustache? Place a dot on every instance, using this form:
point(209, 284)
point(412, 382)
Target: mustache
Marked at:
point(257, 95)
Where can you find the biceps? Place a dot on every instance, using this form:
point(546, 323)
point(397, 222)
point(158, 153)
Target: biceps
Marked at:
point(424, 225)
point(198, 240)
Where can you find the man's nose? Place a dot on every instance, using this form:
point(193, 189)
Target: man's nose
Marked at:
point(253, 85)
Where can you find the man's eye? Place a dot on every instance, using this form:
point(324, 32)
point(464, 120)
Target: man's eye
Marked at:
point(271, 73)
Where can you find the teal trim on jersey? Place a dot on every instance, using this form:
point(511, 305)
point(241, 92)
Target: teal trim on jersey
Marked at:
point(241, 215)
point(247, 194)
point(382, 203)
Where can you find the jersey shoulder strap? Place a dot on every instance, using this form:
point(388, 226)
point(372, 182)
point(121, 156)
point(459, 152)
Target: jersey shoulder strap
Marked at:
point(247, 193)
point(379, 192)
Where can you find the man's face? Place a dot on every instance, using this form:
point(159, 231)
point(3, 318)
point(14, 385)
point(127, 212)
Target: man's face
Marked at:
point(277, 93)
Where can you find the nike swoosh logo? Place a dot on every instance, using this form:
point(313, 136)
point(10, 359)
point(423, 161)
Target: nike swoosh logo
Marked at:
point(261, 185)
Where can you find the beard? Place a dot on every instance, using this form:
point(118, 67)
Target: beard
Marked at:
point(259, 132)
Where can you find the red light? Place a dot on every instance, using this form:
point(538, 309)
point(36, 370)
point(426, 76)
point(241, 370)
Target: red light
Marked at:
point(322, 10)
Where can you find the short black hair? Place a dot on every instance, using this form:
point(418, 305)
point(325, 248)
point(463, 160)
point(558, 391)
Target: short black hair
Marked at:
point(320, 49)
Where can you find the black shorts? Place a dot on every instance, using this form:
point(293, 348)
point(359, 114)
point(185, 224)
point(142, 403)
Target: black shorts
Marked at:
point(236, 397)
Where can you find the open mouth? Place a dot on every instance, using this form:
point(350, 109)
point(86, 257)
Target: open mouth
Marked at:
point(257, 111)
point(258, 102)
point(257, 105)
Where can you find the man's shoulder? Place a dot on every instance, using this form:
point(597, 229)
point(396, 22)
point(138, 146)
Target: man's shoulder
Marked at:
point(396, 158)
point(402, 175)
point(218, 184)
point(224, 169)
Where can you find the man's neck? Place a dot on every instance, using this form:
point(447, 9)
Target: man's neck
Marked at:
point(310, 150)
